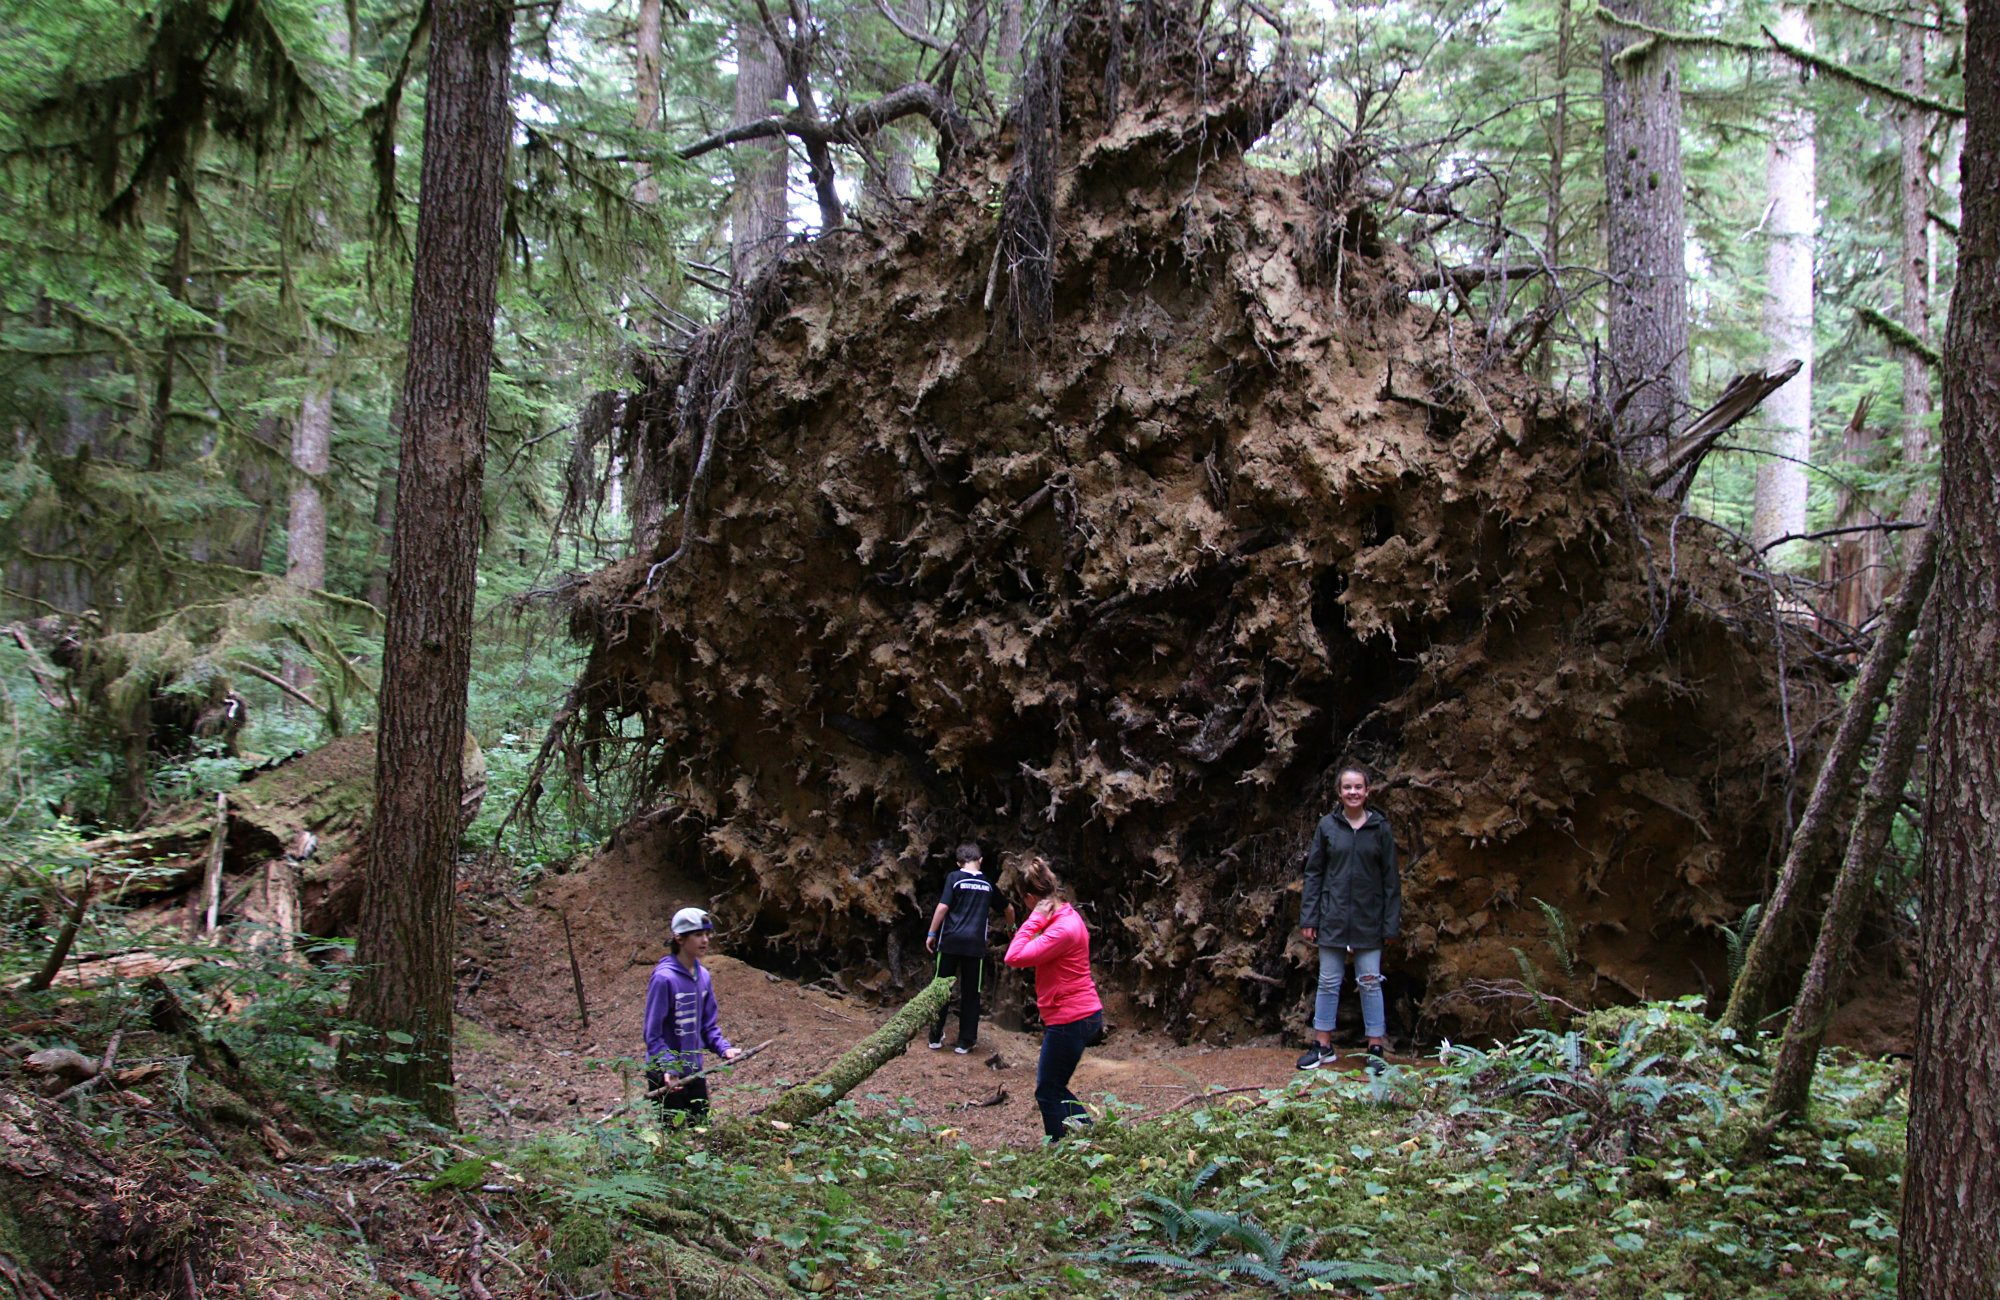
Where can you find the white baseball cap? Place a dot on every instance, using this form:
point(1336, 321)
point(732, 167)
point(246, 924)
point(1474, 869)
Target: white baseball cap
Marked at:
point(692, 920)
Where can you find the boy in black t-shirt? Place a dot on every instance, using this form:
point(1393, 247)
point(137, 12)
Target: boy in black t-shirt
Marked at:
point(958, 937)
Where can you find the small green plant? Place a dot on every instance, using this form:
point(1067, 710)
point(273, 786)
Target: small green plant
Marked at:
point(1561, 937)
point(1738, 937)
point(577, 1242)
point(1223, 1247)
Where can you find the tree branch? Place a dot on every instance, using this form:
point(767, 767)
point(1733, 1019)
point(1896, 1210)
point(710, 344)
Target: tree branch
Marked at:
point(851, 127)
point(1899, 336)
point(1772, 44)
point(1744, 394)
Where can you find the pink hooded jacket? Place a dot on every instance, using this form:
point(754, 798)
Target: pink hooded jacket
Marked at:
point(1056, 945)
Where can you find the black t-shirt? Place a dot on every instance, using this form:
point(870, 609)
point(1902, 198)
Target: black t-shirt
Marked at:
point(968, 897)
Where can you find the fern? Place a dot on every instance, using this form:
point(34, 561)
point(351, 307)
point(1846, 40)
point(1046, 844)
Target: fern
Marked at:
point(630, 1193)
point(1737, 938)
point(1561, 937)
point(1531, 979)
point(1222, 1247)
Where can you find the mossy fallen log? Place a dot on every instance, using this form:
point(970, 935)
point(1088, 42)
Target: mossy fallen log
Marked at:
point(854, 1066)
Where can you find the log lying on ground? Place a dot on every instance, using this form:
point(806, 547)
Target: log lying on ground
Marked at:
point(853, 1068)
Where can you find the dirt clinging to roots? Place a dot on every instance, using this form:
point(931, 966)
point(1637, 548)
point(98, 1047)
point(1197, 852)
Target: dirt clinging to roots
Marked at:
point(1122, 566)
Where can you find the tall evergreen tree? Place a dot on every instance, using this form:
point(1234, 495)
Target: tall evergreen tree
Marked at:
point(1779, 509)
point(403, 993)
point(1951, 1196)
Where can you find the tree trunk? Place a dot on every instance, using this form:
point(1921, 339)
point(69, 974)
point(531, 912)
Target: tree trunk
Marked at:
point(1851, 566)
point(1645, 235)
point(646, 83)
point(1836, 773)
point(1912, 127)
point(305, 529)
point(1007, 49)
point(1806, 1030)
point(758, 211)
point(1558, 131)
point(1779, 508)
point(1951, 1181)
point(405, 938)
point(853, 1067)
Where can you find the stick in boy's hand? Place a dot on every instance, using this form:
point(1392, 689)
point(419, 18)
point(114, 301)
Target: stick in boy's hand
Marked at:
point(675, 1083)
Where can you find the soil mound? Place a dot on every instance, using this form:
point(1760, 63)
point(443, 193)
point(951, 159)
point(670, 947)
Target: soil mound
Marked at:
point(1103, 504)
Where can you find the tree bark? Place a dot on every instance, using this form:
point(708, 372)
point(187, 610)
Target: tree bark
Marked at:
point(758, 210)
point(1851, 567)
point(1951, 1181)
point(1836, 774)
point(1779, 507)
point(1645, 234)
point(646, 79)
point(855, 1066)
point(305, 529)
point(1912, 128)
point(1791, 1082)
point(405, 938)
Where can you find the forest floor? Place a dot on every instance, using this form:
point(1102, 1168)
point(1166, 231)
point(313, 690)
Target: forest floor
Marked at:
point(526, 1061)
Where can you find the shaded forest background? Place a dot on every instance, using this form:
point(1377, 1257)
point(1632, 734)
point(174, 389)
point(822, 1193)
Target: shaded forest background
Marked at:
point(212, 213)
point(1639, 283)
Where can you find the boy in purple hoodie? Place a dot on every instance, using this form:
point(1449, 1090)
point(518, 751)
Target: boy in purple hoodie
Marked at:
point(681, 1021)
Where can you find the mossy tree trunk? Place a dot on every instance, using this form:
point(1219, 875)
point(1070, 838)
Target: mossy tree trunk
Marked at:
point(855, 1066)
point(1806, 1029)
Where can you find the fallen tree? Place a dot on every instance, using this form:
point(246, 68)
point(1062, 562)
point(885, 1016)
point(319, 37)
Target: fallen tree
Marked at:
point(1108, 500)
point(854, 1066)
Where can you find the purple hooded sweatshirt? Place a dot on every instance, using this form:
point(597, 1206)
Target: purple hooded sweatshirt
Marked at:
point(680, 1018)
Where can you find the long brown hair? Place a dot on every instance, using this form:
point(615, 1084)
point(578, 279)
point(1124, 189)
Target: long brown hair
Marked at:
point(1038, 878)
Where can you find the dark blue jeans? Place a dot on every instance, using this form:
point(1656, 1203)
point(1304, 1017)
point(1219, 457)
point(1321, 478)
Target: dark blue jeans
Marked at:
point(1062, 1048)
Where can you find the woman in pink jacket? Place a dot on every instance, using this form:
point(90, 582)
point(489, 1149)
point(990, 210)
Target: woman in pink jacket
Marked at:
point(1054, 942)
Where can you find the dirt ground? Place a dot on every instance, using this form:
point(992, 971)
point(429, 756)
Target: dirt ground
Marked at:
point(526, 1062)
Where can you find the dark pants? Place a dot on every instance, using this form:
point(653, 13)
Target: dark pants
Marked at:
point(1062, 1048)
point(689, 1101)
point(971, 972)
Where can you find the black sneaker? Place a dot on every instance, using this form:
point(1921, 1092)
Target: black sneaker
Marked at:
point(1315, 1057)
point(936, 1043)
point(1376, 1061)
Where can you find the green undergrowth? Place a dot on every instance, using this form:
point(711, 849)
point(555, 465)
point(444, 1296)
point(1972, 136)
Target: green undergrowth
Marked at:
point(1620, 1159)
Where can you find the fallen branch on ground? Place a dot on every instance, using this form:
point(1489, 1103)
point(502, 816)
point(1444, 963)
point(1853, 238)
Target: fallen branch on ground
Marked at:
point(852, 1068)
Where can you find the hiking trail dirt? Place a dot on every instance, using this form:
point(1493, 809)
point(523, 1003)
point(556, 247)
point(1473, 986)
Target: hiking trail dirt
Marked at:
point(525, 1062)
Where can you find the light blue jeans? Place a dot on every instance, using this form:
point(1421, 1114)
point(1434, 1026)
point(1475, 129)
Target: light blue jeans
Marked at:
point(1367, 974)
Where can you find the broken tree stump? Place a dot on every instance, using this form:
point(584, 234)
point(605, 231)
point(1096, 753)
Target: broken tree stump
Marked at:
point(853, 1067)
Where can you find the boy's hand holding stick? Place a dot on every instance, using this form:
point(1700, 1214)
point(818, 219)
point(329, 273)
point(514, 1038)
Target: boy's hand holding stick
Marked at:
point(675, 1082)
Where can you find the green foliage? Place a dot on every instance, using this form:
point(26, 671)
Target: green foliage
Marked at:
point(1737, 937)
point(1561, 937)
point(579, 1241)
